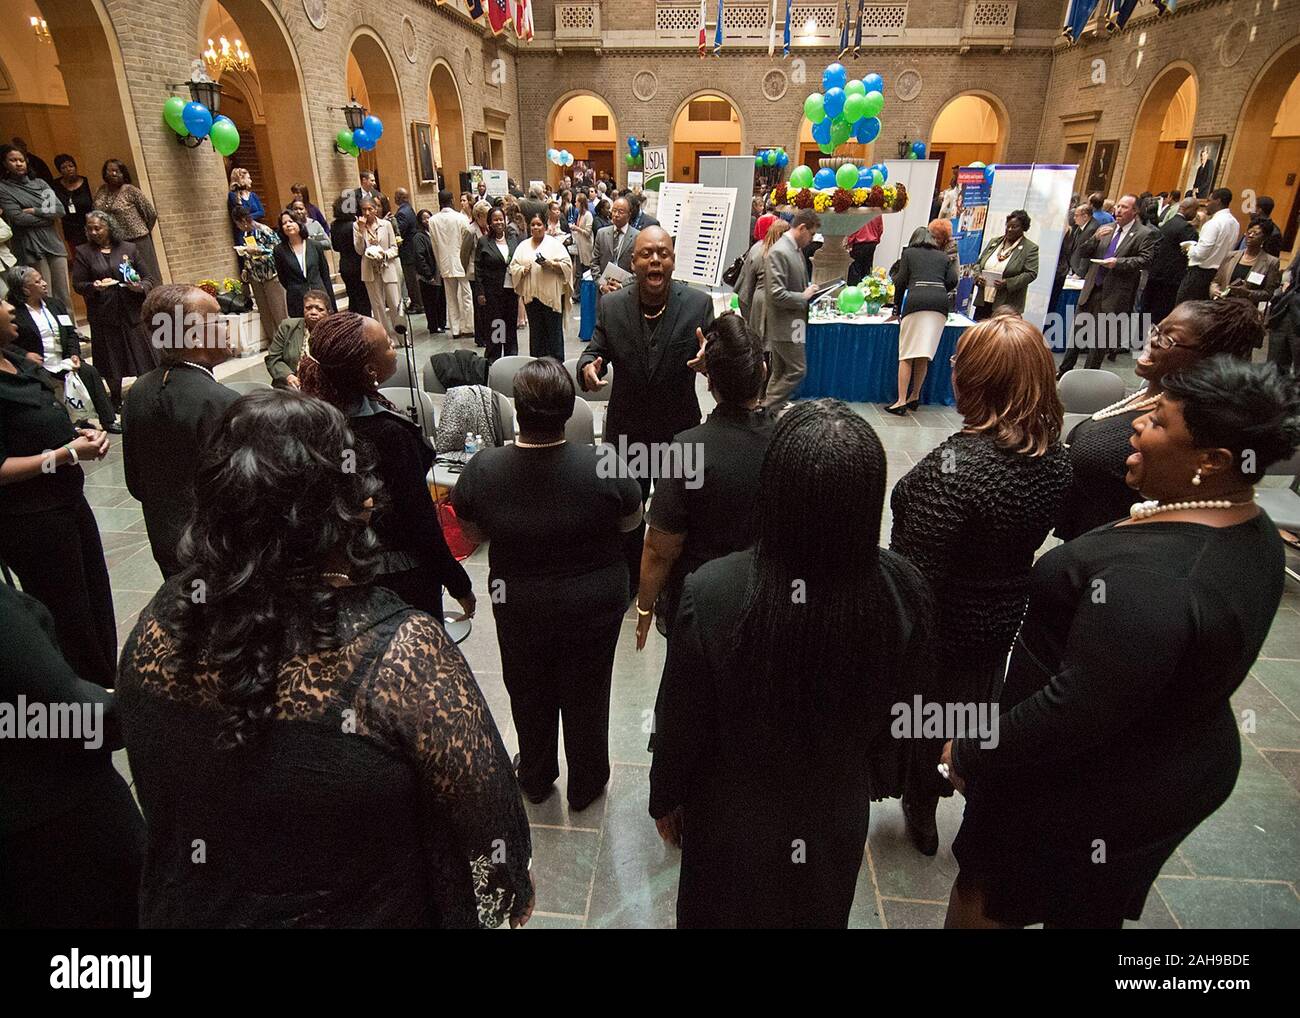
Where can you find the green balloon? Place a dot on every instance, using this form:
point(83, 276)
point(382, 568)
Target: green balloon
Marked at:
point(735, 302)
point(353, 150)
point(758, 159)
point(850, 300)
point(911, 155)
point(878, 178)
point(343, 139)
point(875, 103)
point(855, 87)
point(855, 108)
point(814, 108)
point(225, 137)
point(801, 176)
point(840, 132)
point(847, 176)
point(631, 159)
point(173, 111)
point(826, 149)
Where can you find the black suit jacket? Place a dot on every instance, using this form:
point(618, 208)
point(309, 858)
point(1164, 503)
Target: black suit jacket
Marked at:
point(1116, 290)
point(653, 394)
point(1169, 264)
point(29, 336)
point(168, 421)
point(489, 267)
point(296, 282)
point(1078, 238)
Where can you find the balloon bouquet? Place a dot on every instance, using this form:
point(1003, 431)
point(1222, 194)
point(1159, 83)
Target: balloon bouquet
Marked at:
point(560, 156)
point(363, 139)
point(635, 156)
point(193, 120)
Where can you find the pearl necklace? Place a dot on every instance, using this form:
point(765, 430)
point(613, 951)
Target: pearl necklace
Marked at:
point(1127, 405)
point(538, 445)
point(1153, 507)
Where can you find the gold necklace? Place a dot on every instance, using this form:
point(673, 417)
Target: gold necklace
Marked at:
point(651, 318)
point(337, 576)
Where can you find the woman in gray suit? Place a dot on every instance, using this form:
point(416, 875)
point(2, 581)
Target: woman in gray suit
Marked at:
point(1014, 258)
point(749, 288)
point(924, 276)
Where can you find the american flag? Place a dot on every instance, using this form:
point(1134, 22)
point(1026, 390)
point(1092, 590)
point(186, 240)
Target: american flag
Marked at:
point(524, 19)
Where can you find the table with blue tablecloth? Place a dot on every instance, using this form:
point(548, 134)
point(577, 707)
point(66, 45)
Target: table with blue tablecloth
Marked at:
point(1058, 338)
point(857, 361)
point(587, 299)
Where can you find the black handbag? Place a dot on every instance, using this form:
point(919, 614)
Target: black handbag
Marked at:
point(732, 275)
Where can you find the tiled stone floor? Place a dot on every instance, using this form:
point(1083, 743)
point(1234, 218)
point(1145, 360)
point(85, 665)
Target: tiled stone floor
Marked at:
point(606, 867)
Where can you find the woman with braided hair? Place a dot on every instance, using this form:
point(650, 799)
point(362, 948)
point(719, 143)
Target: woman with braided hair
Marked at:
point(346, 360)
point(1191, 332)
point(773, 719)
point(328, 743)
point(705, 510)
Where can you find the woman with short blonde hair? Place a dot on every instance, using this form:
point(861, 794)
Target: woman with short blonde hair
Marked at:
point(970, 516)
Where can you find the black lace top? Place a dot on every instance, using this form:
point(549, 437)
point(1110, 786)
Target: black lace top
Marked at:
point(380, 795)
point(1097, 494)
point(970, 516)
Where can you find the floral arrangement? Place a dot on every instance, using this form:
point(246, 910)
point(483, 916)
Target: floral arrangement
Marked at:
point(890, 198)
point(227, 285)
point(878, 287)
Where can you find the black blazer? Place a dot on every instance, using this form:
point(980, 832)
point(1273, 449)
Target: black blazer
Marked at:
point(29, 336)
point(1169, 263)
point(489, 267)
point(296, 282)
point(653, 394)
point(168, 420)
point(341, 239)
point(927, 276)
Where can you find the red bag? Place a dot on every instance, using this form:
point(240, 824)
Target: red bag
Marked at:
point(461, 546)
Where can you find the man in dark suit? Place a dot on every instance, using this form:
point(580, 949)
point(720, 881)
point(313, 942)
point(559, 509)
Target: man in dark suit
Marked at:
point(640, 219)
point(650, 332)
point(407, 223)
point(38, 316)
point(1204, 175)
point(172, 412)
point(615, 243)
point(1169, 264)
point(368, 189)
point(1264, 206)
point(1123, 250)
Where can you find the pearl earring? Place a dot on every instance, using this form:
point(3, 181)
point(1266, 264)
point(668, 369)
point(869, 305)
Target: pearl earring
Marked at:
point(1197, 478)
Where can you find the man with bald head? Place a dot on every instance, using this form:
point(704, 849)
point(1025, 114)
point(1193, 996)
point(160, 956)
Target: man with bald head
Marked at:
point(648, 330)
point(407, 223)
point(615, 244)
point(1169, 264)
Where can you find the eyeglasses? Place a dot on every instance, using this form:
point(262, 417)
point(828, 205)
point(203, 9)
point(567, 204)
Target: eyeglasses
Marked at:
point(1161, 341)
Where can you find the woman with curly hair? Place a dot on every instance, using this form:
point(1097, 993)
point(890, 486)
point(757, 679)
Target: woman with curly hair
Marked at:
point(318, 746)
point(346, 360)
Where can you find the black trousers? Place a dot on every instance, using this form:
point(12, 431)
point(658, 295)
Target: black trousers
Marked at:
point(59, 560)
point(99, 395)
point(412, 277)
point(545, 331)
point(1096, 352)
point(1159, 298)
point(1195, 285)
point(358, 298)
point(1284, 348)
point(434, 298)
point(861, 267)
point(500, 315)
point(550, 673)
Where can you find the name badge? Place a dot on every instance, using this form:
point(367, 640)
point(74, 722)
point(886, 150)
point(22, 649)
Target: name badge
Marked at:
point(72, 209)
point(65, 321)
point(1255, 279)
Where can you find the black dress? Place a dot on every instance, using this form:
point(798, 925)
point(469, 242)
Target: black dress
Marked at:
point(342, 241)
point(970, 516)
point(70, 834)
point(119, 336)
point(417, 562)
point(380, 795)
point(77, 202)
point(775, 814)
point(1116, 735)
point(1097, 493)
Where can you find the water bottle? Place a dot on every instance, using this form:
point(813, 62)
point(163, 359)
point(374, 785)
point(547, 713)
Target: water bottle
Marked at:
point(478, 443)
point(469, 444)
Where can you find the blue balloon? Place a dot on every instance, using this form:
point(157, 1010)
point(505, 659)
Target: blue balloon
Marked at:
point(834, 101)
point(825, 178)
point(874, 83)
point(198, 119)
point(866, 130)
point(782, 160)
point(821, 132)
point(884, 171)
point(919, 148)
point(373, 126)
point(835, 76)
point(362, 140)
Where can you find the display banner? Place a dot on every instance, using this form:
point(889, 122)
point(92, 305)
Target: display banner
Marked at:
point(656, 167)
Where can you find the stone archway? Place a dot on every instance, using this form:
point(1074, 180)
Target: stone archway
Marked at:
point(575, 123)
point(448, 121)
point(1158, 151)
point(970, 127)
point(372, 80)
point(701, 126)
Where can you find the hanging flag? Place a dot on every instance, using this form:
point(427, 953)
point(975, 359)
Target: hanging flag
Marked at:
point(771, 32)
point(1165, 6)
point(498, 13)
point(1077, 16)
point(1120, 12)
point(703, 19)
point(475, 8)
point(524, 19)
point(857, 32)
point(717, 33)
point(844, 30)
point(785, 49)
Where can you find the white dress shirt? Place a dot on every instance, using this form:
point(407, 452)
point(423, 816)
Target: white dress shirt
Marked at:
point(1218, 238)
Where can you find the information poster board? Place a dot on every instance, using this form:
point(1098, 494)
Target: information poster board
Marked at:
point(498, 183)
point(736, 172)
point(704, 225)
point(918, 176)
point(669, 211)
point(1043, 191)
point(656, 167)
point(635, 180)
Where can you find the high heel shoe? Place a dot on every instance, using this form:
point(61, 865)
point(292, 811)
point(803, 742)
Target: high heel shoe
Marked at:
point(897, 411)
point(920, 825)
point(912, 404)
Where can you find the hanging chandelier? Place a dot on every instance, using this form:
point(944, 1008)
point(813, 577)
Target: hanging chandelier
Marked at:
point(41, 30)
point(222, 57)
